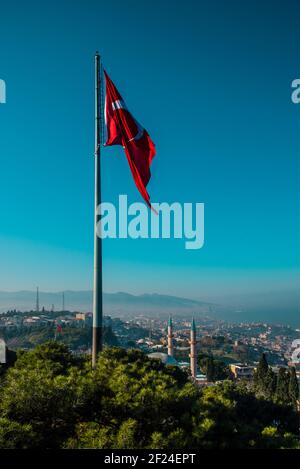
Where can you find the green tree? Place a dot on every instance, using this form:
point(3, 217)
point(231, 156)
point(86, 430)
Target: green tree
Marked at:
point(282, 388)
point(39, 391)
point(273, 439)
point(260, 375)
point(214, 369)
point(14, 435)
point(210, 369)
point(270, 383)
point(293, 387)
point(127, 436)
point(90, 435)
point(49, 399)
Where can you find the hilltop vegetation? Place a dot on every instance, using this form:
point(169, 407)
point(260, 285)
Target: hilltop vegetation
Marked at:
point(281, 388)
point(73, 337)
point(51, 399)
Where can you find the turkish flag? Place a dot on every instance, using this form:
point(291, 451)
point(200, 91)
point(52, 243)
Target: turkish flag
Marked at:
point(123, 129)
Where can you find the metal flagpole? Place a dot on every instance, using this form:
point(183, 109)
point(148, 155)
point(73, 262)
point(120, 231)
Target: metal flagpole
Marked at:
point(97, 298)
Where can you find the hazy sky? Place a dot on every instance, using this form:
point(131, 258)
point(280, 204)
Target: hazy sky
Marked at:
point(211, 82)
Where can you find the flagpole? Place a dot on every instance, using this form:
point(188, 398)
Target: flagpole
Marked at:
point(97, 292)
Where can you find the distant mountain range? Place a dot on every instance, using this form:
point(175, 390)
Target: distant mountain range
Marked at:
point(273, 307)
point(114, 303)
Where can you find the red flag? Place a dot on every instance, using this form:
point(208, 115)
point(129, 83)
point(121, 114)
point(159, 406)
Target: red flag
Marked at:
point(123, 129)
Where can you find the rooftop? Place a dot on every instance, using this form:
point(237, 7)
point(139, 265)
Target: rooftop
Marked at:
point(164, 358)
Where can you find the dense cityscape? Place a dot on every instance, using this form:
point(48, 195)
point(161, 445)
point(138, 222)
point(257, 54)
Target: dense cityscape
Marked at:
point(238, 346)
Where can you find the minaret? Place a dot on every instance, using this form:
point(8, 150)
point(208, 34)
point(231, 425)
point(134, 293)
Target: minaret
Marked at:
point(37, 300)
point(63, 302)
point(193, 353)
point(170, 337)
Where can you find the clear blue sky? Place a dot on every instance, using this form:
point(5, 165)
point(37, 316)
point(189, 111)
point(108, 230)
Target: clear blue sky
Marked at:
point(210, 80)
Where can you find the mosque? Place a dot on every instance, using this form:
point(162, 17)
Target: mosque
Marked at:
point(168, 358)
